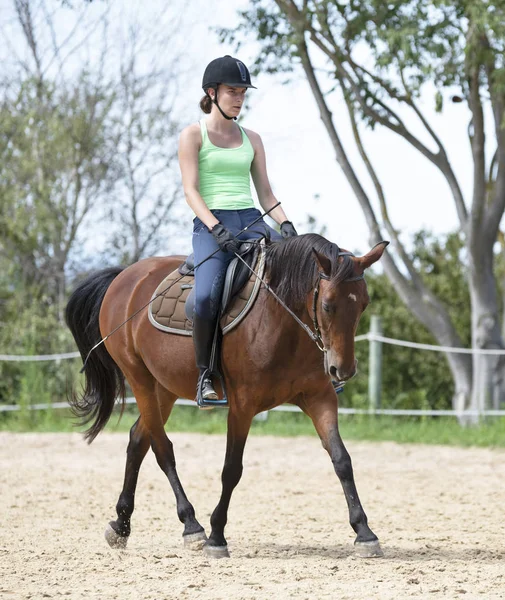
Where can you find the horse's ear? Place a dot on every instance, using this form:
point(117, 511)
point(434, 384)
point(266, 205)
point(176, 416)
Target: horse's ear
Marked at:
point(323, 262)
point(373, 256)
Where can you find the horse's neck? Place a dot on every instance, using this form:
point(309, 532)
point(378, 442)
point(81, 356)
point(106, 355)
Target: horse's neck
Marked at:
point(272, 322)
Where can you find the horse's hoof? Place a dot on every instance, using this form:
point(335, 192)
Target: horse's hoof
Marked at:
point(115, 540)
point(194, 541)
point(368, 549)
point(216, 551)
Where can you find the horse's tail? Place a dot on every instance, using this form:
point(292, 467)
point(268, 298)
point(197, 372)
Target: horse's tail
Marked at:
point(104, 381)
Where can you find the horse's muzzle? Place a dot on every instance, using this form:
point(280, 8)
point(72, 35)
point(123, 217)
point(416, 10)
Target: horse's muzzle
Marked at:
point(341, 374)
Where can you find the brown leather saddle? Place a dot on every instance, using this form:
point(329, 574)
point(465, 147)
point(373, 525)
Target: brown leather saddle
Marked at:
point(171, 309)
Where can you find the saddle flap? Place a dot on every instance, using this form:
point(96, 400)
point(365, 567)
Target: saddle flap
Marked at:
point(238, 274)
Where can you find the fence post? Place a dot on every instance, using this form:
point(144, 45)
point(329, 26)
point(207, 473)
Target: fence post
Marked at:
point(375, 365)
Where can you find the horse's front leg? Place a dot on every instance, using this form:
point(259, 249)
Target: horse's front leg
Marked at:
point(238, 429)
point(323, 410)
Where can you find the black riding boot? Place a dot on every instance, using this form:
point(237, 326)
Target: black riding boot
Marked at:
point(203, 336)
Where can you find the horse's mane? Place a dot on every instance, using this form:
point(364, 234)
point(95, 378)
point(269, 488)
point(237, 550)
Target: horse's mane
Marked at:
point(292, 268)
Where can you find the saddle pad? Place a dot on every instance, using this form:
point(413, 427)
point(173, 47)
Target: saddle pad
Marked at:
point(166, 311)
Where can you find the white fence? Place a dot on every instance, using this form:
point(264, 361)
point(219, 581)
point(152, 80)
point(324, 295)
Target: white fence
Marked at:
point(291, 408)
point(373, 336)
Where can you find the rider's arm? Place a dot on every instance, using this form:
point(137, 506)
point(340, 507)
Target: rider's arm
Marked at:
point(260, 179)
point(189, 145)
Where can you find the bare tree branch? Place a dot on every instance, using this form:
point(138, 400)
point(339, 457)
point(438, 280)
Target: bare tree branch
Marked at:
point(444, 165)
point(414, 276)
point(160, 220)
point(394, 122)
point(24, 12)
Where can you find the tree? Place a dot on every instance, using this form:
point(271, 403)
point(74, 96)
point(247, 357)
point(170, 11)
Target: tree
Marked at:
point(86, 128)
point(56, 156)
point(453, 45)
point(148, 187)
point(88, 132)
point(414, 378)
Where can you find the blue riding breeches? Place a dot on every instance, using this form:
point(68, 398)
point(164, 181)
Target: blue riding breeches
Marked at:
point(209, 277)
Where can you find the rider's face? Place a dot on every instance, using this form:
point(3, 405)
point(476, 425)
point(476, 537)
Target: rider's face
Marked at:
point(230, 99)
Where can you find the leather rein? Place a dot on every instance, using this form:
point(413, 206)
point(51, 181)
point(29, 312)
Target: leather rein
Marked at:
point(315, 335)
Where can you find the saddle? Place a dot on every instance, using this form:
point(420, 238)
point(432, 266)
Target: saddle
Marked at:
point(171, 309)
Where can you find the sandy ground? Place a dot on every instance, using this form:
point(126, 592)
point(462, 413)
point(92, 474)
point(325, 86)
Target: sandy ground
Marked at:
point(438, 512)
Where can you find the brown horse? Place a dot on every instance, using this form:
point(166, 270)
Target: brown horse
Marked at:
point(267, 360)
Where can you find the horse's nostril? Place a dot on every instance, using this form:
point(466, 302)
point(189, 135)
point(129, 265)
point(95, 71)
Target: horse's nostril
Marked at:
point(333, 371)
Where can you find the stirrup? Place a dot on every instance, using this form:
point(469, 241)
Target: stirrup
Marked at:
point(208, 402)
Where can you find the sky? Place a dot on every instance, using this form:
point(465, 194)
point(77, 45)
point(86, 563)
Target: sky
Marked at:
point(303, 171)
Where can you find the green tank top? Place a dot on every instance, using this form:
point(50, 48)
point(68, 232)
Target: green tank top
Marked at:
point(225, 173)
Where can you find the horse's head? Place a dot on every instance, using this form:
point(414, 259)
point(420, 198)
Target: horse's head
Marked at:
point(339, 303)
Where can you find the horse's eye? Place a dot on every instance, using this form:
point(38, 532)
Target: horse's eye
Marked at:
point(327, 307)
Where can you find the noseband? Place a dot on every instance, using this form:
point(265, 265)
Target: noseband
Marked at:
point(317, 337)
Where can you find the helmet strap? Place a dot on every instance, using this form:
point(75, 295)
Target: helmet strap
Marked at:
point(214, 100)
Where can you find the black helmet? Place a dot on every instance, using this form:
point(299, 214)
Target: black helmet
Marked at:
point(227, 70)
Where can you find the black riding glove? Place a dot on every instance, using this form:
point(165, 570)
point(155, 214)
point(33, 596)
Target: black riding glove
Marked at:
point(225, 239)
point(287, 229)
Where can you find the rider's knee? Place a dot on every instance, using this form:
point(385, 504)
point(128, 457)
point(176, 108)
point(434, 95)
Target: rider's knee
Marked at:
point(204, 307)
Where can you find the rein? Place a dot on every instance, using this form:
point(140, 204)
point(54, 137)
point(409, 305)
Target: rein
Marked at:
point(315, 335)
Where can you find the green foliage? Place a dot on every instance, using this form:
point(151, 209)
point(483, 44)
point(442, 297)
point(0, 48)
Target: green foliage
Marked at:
point(80, 127)
point(33, 328)
point(51, 163)
point(56, 152)
point(436, 430)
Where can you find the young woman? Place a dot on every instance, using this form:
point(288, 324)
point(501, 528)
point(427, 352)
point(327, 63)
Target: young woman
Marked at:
point(217, 157)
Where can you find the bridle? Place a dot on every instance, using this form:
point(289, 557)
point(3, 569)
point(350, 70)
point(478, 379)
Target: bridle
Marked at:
point(316, 336)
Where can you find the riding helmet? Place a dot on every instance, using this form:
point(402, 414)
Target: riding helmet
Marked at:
point(227, 70)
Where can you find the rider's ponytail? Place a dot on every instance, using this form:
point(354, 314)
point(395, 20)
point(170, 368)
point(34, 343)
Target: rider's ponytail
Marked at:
point(206, 104)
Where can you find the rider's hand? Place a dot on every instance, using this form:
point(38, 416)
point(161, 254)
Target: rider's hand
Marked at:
point(287, 229)
point(225, 239)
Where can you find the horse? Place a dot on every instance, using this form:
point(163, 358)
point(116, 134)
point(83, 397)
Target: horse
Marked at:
point(267, 360)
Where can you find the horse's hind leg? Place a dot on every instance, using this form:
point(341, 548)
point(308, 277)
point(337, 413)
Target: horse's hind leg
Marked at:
point(155, 416)
point(118, 531)
point(140, 439)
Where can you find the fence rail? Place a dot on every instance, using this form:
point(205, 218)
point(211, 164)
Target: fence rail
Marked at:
point(376, 339)
point(371, 336)
point(38, 357)
point(292, 408)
